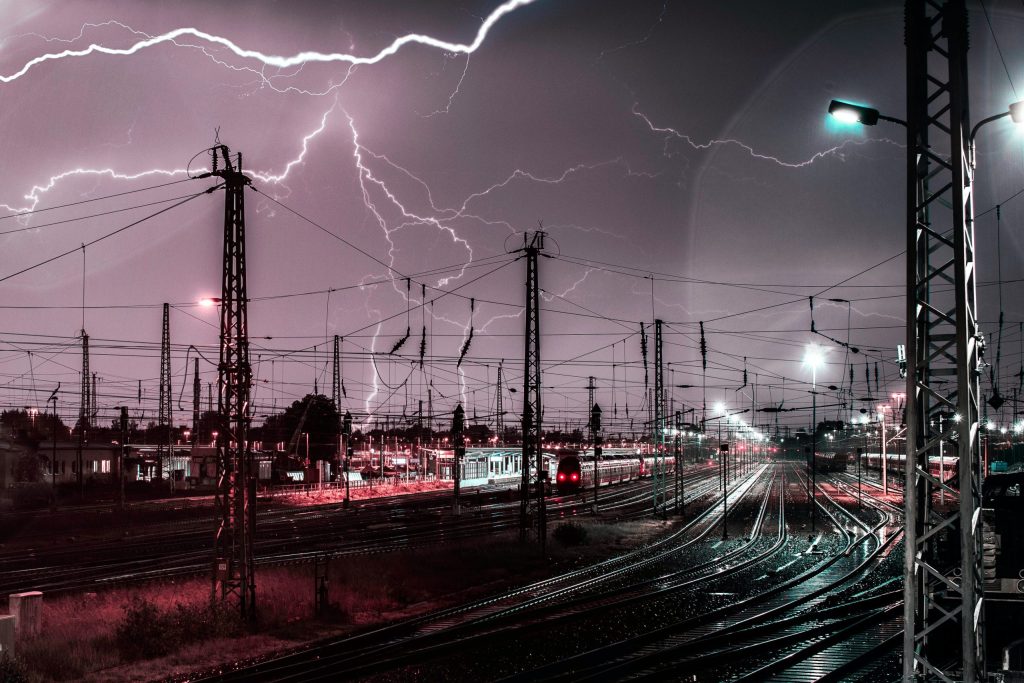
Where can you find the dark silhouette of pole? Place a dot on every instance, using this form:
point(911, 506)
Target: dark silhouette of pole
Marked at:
point(164, 414)
point(459, 446)
point(235, 498)
point(53, 458)
point(346, 429)
point(197, 390)
point(84, 416)
point(678, 479)
point(595, 437)
point(121, 452)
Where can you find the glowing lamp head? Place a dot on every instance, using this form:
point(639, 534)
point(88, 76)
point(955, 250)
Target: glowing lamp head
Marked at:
point(720, 408)
point(209, 301)
point(814, 356)
point(1017, 112)
point(849, 113)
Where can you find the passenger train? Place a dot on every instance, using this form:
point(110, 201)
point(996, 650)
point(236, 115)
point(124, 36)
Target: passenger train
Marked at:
point(576, 470)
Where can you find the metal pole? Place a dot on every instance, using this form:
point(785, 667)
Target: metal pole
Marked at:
point(814, 448)
point(53, 459)
point(595, 432)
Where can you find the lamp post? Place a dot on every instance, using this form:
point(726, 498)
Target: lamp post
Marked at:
point(814, 357)
point(723, 455)
point(884, 460)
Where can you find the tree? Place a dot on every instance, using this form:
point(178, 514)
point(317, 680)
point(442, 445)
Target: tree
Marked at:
point(321, 423)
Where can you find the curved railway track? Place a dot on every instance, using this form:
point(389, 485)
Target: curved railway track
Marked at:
point(294, 535)
point(435, 633)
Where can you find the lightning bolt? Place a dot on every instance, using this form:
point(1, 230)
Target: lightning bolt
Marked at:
point(279, 61)
point(672, 133)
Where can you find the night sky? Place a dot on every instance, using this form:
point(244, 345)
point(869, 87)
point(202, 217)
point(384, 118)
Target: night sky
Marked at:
point(685, 140)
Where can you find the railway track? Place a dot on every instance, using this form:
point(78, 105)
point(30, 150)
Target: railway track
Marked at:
point(430, 634)
point(291, 536)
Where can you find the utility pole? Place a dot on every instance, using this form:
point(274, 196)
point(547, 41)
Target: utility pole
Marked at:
point(164, 419)
point(53, 457)
point(236, 491)
point(943, 348)
point(590, 424)
point(499, 409)
point(346, 430)
point(533, 245)
point(659, 477)
point(197, 390)
point(459, 446)
point(677, 489)
point(336, 393)
point(121, 453)
point(84, 416)
point(93, 404)
point(595, 438)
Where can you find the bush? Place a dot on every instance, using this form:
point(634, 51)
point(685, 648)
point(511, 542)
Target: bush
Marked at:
point(11, 670)
point(570, 533)
point(146, 632)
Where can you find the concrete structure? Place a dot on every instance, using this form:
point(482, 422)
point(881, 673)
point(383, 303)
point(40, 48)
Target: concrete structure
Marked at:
point(7, 635)
point(27, 610)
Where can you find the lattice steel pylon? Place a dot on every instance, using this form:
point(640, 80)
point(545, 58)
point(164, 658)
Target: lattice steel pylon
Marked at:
point(164, 419)
point(659, 479)
point(336, 376)
point(532, 488)
point(943, 352)
point(236, 491)
point(84, 415)
point(197, 391)
point(499, 408)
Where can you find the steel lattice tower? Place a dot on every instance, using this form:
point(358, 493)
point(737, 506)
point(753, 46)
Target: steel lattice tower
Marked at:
point(236, 491)
point(533, 244)
point(658, 478)
point(499, 408)
point(943, 348)
point(85, 413)
point(197, 391)
point(336, 376)
point(164, 419)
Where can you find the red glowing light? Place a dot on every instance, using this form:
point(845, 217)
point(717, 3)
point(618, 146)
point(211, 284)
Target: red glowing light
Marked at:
point(574, 476)
point(561, 476)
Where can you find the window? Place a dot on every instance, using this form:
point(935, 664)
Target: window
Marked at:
point(105, 465)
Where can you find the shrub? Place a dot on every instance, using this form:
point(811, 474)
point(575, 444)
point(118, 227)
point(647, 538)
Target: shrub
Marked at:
point(11, 670)
point(570, 533)
point(146, 631)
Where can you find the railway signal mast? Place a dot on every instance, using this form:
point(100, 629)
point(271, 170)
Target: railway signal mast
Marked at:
point(236, 484)
point(943, 345)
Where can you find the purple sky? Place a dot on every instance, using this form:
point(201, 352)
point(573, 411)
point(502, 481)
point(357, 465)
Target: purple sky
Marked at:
point(649, 137)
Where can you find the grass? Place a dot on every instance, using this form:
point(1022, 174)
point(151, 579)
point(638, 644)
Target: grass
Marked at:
point(163, 629)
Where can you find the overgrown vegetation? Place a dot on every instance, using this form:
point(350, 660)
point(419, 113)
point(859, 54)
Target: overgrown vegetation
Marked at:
point(147, 631)
point(570, 534)
point(11, 670)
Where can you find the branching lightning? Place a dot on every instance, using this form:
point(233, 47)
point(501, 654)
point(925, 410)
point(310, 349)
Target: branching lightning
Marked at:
point(672, 133)
point(279, 61)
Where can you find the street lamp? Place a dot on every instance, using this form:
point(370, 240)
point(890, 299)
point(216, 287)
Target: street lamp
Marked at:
point(814, 356)
point(850, 113)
